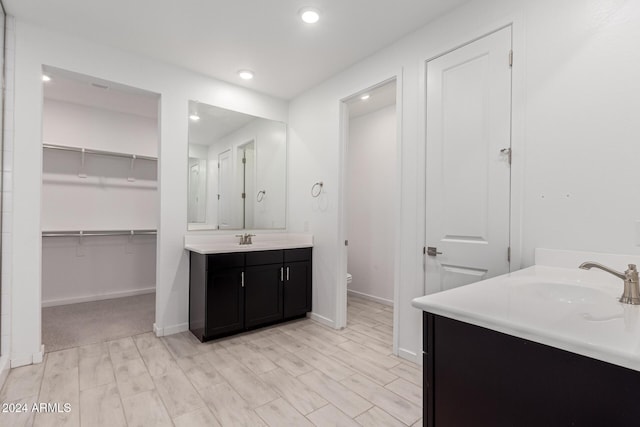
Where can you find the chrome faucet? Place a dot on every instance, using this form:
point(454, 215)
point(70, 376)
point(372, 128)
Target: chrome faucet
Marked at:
point(631, 294)
point(245, 239)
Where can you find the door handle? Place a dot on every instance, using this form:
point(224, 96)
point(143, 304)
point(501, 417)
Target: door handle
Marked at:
point(281, 274)
point(287, 273)
point(433, 251)
point(242, 278)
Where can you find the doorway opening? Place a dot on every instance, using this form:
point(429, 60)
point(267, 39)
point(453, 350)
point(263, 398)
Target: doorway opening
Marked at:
point(370, 170)
point(99, 210)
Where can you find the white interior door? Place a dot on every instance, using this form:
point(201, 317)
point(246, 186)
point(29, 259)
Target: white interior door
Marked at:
point(467, 171)
point(225, 190)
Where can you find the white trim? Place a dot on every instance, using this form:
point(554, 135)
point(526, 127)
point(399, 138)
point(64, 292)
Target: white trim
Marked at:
point(170, 330)
point(4, 370)
point(39, 356)
point(34, 358)
point(321, 319)
point(89, 298)
point(398, 212)
point(341, 287)
point(342, 253)
point(409, 355)
point(370, 297)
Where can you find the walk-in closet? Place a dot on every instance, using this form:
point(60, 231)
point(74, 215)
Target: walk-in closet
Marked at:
point(99, 210)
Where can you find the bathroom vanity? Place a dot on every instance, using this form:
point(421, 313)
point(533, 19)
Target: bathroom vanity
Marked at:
point(543, 346)
point(234, 287)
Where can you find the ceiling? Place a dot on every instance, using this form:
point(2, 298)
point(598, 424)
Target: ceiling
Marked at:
point(378, 98)
point(219, 37)
point(80, 89)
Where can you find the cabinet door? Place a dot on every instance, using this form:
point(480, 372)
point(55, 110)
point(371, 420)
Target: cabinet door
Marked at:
point(297, 289)
point(263, 294)
point(225, 302)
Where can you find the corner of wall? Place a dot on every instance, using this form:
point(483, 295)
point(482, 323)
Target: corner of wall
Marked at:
point(7, 199)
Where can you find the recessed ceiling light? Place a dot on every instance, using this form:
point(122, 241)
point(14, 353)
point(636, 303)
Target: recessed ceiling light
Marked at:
point(194, 117)
point(245, 74)
point(46, 78)
point(309, 15)
point(365, 97)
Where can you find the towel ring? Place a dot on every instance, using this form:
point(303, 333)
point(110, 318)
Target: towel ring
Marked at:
point(260, 196)
point(319, 185)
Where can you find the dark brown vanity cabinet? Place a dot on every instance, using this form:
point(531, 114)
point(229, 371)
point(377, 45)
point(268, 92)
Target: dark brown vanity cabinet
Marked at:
point(297, 282)
point(475, 376)
point(263, 287)
point(230, 293)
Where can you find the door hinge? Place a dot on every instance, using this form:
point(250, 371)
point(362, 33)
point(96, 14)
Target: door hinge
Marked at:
point(218, 197)
point(511, 58)
point(244, 160)
point(218, 165)
point(508, 152)
point(424, 250)
point(244, 195)
point(509, 254)
point(346, 243)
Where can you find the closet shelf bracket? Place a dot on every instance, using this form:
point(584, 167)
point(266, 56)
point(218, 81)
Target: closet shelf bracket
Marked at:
point(130, 178)
point(81, 172)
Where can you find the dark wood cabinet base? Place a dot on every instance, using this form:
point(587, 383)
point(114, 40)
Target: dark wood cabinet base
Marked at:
point(474, 376)
point(236, 292)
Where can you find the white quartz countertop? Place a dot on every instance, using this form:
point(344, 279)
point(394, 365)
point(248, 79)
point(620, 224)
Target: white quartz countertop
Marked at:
point(567, 308)
point(261, 242)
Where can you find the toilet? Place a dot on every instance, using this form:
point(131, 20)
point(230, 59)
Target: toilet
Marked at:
point(349, 279)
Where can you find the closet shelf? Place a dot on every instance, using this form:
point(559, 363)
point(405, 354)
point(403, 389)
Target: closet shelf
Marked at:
point(98, 152)
point(82, 233)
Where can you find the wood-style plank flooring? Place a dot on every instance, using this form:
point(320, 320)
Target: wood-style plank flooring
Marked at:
point(296, 374)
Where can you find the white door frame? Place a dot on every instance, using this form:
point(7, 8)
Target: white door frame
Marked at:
point(341, 286)
point(517, 134)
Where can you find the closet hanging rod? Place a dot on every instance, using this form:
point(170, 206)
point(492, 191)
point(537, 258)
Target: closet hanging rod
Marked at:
point(98, 152)
point(92, 233)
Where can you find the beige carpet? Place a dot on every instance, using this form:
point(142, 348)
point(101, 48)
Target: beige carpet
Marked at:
point(73, 325)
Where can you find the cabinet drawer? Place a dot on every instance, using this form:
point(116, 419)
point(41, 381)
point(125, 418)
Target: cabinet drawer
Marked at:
point(264, 257)
point(302, 254)
point(220, 261)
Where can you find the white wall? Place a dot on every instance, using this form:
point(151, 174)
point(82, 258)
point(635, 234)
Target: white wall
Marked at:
point(371, 172)
point(574, 133)
point(35, 47)
point(96, 268)
point(66, 123)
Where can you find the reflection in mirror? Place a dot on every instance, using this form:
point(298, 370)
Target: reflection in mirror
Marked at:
point(237, 170)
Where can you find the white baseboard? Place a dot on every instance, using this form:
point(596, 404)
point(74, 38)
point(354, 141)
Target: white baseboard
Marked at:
point(89, 298)
point(5, 366)
point(370, 297)
point(410, 356)
point(170, 330)
point(321, 319)
point(31, 359)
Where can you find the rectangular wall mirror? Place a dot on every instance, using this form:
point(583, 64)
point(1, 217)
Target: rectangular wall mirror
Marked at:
point(237, 170)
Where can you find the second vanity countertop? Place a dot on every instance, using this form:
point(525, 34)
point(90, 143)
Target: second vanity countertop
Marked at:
point(566, 308)
point(227, 243)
